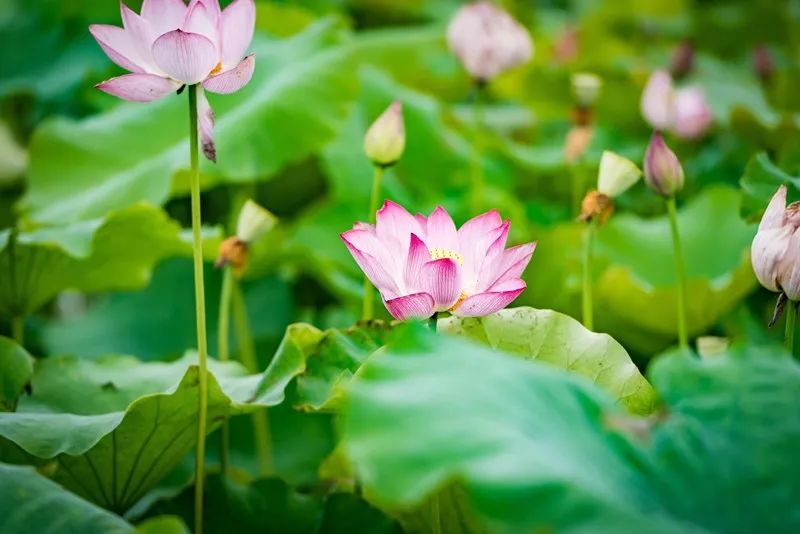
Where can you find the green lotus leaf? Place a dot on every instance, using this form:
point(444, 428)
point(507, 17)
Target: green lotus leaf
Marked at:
point(760, 181)
point(16, 370)
point(560, 340)
point(435, 410)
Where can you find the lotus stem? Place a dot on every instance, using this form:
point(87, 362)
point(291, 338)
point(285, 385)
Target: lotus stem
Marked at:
point(476, 192)
point(200, 313)
point(247, 353)
point(791, 319)
point(680, 273)
point(588, 241)
point(367, 308)
point(223, 353)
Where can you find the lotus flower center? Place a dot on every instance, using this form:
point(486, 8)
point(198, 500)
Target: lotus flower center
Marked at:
point(442, 253)
point(216, 70)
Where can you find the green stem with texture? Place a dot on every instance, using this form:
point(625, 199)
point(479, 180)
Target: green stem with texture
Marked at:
point(223, 353)
point(200, 314)
point(247, 353)
point(588, 240)
point(367, 308)
point(791, 319)
point(680, 273)
point(477, 185)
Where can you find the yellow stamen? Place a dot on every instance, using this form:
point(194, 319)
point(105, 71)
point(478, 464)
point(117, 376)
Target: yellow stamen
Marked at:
point(461, 298)
point(216, 70)
point(441, 253)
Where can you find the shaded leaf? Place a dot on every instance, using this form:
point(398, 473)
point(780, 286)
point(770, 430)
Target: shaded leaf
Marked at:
point(16, 370)
point(760, 181)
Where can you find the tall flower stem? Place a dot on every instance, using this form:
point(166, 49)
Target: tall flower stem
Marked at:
point(200, 314)
point(588, 241)
point(17, 319)
point(367, 308)
point(247, 353)
point(223, 353)
point(680, 273)
point(476, 172)
point(791, 319)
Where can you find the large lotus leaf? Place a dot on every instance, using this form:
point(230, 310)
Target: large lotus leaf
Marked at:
point(29, 502)
point(293, 105)
point(16, 370)
point(114, 457)
point(114, 252)
point(760, 181)
point(722, 458)
point(560, 340)
point(323, 362)
point(640, 279)
point(437, 410)
point(114, 323)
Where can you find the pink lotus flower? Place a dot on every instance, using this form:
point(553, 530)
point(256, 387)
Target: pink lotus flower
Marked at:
point(775, 253)
point(488, 40)
point(685, 111)
point(171, 45)
point(423, 265)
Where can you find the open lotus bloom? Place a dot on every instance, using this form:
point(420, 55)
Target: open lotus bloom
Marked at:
point(685, 112)
point(171, 44)
point(422, 265)
point(487, 40)
point(776, 248)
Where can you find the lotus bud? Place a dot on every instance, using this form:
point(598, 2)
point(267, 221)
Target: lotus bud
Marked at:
point(253, 223)
point(487, 40)
point(763, 62)
point(386, 138)
point(692, 113)
point(683, 59)
point(775, 253)
point(657, 101)
point(586, 87)
point(662, 169)
point(616, 174)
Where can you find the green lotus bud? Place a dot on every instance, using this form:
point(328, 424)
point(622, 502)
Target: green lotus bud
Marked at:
point(254, 221)
point(386, 138)
point(662, 169)
point(617, 174)
point(586, 87)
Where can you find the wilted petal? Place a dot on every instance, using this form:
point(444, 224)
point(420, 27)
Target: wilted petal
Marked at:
point(491, 301)
point(139, 87)
point(232, 80)
point(442, 280)
point(117, 45)
point(774, 214)
point(441, 232)
point(416, 306)
point(790, 268)
point(236, 29)
point(766, 254)
point(187, 57)
point(164, 15)
point(692, 113)
point(657, 101)
point(205, 126)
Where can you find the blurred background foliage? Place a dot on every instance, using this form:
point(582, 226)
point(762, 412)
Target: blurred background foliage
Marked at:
point(96, 193)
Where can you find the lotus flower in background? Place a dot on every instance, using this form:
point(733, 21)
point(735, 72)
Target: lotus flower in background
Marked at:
point(487, 40)
point(776, 248)
point(662, 168)
point(684, 112)
point(171, 44)
point(422, 265)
